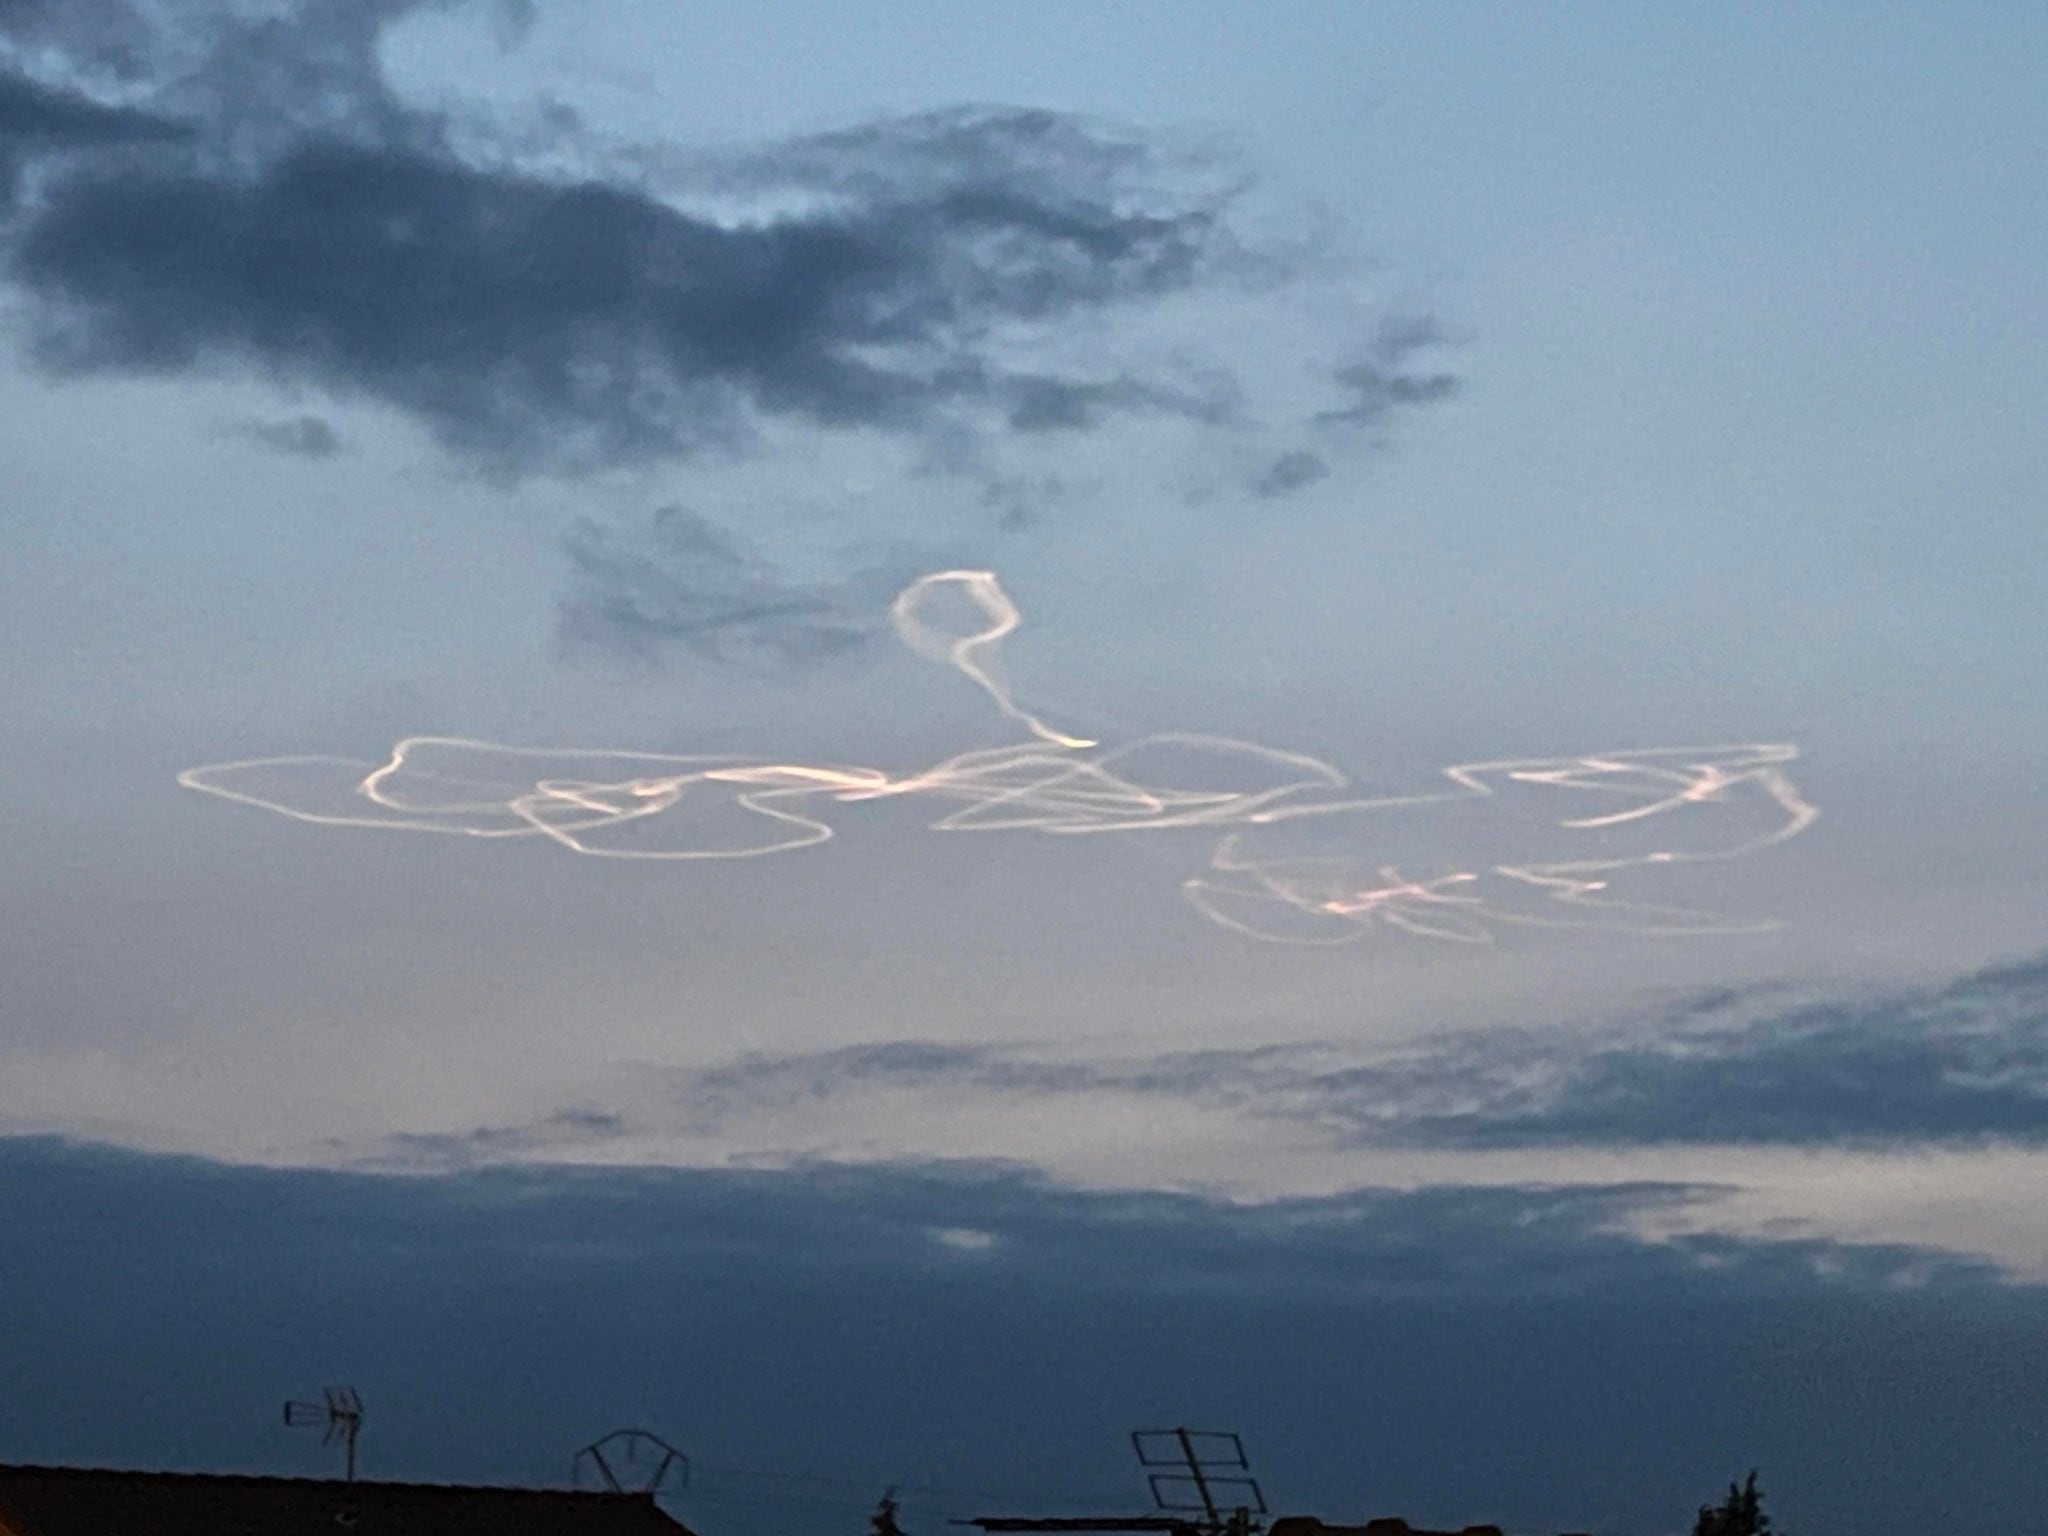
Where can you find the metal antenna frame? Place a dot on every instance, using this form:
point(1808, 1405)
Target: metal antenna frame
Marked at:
point(624, 1447)
point(1199, 1463)
point(1200, 1454)
point(340, 1416)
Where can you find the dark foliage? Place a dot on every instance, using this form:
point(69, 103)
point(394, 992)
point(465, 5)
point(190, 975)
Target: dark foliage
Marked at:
point(883, 1521)
point(1741, 1513)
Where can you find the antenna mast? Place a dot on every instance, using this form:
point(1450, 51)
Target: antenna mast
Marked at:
point(1198, 1456)
point(341, 1417)
point(1203, 1458)
point(632, 1461)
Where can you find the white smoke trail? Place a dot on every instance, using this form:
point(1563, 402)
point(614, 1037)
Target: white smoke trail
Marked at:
point(1733, 800)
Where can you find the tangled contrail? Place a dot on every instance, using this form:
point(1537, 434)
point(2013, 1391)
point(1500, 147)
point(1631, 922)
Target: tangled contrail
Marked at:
point(1279, 872)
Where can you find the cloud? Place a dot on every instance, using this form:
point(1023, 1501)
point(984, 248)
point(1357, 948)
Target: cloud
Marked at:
point(840, 1218)
point(982, 289)
point(946, 274)
point(37, 121)
point(486, 1145)
point(1963, 1063)
point(682, 582)
point(34, 116)
point(534, 322)
point(243, 79)
point(766, 1081)
point(1290, 472)
point(581, 324)
point(969, 1327)
point(305, 437)
point(1019, 501)
point(1380, 382)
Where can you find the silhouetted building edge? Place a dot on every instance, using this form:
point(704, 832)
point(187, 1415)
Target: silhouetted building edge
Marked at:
point(1388, 1525)
point(103, 1501)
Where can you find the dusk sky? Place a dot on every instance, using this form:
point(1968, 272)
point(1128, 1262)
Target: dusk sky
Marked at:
point(897, 736)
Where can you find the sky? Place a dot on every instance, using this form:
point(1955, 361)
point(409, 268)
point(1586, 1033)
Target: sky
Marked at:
point(896, 737)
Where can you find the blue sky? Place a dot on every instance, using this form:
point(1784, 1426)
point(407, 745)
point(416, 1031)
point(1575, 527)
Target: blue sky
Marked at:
point(1345, 396)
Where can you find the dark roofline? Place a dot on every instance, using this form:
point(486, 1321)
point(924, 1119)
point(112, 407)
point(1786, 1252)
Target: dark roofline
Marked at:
point(44, 1469)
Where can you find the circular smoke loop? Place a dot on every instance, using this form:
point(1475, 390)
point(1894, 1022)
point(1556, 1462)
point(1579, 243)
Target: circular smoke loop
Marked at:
point(1278, 873)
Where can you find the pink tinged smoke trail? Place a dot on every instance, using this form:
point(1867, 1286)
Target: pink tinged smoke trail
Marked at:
point(1734, 800)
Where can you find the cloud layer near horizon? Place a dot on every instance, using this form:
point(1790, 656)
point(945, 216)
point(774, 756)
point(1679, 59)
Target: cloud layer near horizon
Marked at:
point(1363, 1343)
point(1959, 1064)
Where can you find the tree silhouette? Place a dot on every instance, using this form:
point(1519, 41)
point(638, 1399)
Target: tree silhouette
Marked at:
point(1740, 1514)
point(883, 1521)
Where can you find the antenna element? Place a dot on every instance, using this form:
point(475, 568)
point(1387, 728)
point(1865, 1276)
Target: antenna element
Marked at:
point(1199, 1455)
point(632, 1461)
point(340, 1416)
point(1205, 1459)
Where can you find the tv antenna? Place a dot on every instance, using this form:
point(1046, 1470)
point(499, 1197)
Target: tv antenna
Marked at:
point(632, 1461)
point(1184, 1499)
point(341, 1416)
point(1205, 1463)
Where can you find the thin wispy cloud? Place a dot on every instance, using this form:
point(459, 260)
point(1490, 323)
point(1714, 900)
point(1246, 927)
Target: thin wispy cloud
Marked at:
point(682, 582)
point(488, 1145)
point(1384, 380)
point(1961, 1064)
point(1290, 472)
point(301, 437)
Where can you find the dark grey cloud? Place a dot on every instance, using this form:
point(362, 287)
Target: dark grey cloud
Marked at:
point(810, 1319)
point(265, 202)
point(37, 121)
point(1019, 502)
point(305, 437)
point(1290, 472)
point(245, 78)
point(1961, 1063)
point(1966, 1062)
point(534, 322)
point(1040, 403)
point(1383, 380)
point(528, 322)
point(318, 229)
point(1365, 1246)
point(758, 1081)
point(445, 1152)
point(682, 582)
point(107, 39)
point(34, 115)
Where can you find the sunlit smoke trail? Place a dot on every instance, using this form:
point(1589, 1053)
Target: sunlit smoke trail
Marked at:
point(640, 805)
point(983, 590)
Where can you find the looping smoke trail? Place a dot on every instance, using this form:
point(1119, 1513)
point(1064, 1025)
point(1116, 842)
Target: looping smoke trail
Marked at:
point(983, 590)
point(1752, 803)
point(1733, 800)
